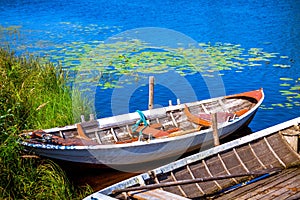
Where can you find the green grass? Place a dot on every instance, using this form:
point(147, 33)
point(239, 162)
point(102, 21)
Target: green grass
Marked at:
point(33, 95)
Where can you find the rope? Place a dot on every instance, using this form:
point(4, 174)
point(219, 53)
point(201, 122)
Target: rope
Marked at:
point(136, 125)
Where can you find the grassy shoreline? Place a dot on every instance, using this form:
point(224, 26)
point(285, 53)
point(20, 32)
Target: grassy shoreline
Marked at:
point(33, 95)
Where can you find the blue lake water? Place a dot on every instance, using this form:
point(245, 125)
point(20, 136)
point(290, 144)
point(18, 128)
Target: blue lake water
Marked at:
point(48, 28)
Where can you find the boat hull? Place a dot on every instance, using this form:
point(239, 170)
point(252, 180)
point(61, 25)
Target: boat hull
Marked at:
point(138, 152)
point(232, 113)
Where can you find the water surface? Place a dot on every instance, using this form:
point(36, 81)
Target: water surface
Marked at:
point(47, 28)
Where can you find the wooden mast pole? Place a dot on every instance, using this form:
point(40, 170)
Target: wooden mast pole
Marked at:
point(151, 89)
point(215, 129)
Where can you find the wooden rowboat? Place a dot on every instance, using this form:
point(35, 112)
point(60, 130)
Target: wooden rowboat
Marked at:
point(262, 165)
point(140, 138)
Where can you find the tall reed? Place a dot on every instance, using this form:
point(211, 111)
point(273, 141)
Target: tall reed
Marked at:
point(33, 94)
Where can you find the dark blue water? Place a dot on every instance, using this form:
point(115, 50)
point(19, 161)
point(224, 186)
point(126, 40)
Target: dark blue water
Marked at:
point(48, 28)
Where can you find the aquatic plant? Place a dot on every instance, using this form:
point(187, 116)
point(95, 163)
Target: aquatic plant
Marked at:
point(120, 55)
point(136, 58)
point(291, 90)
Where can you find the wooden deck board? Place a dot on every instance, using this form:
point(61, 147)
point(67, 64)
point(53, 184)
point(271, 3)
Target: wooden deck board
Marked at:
point(281, 186)
point(272, 188)
point(284, 151)
point(284, 189)
point(190, 188)
point(293, 197)
point(156, 194)
point(248, 158)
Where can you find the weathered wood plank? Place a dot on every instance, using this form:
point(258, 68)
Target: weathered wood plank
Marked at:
point(250, 160)
point(193, 177)
point(293, 140)
point(283, 150)
point(156, 194)
point(215, 129)
point(151, 92)
point(293, 197)
point(263, 186)
point(284, 188)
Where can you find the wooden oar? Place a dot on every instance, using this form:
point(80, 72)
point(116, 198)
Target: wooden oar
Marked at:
point(197, 180)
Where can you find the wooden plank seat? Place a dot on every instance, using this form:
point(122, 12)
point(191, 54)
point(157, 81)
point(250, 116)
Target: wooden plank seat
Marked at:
point(127, 141)
point(156, 194)
point(152, 130)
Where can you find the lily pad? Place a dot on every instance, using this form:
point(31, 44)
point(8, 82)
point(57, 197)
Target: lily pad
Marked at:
point(281, 65)
point(286, 79)
point(284, 57)
point(278, 105)
point(287, 92)
point(285, 84)
point(296, 87)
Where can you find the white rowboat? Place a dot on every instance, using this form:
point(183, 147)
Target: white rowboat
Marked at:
point(158, 135)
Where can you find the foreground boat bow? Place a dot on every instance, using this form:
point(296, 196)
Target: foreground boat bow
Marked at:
point(262, 165)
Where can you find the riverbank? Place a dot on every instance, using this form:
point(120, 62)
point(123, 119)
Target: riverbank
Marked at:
point(33, 95)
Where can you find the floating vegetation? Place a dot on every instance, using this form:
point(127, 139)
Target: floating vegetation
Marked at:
point(135, 57)
point(284, 57)
point(278, 105)
point(282, 65)
point(10, 30)
point(291, 91)
point(285, 85)
point(287, 92)
point(286, 79)
point(264, 107)
point(101, 64)
point(289, 105)
point(138, 57)
point(296, 88)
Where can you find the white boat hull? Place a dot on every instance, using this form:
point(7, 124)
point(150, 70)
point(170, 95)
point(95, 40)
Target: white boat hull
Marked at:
point(157, 151)
point(137, 152)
